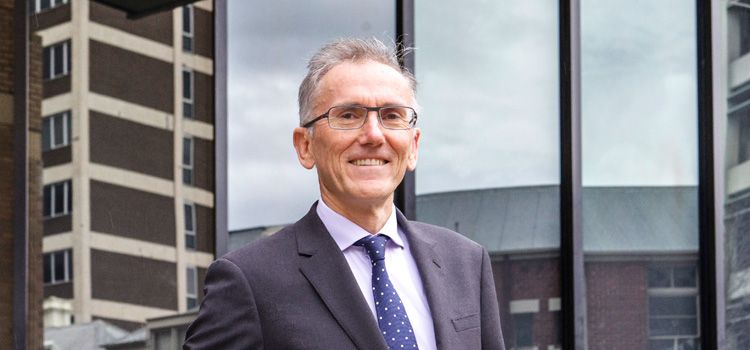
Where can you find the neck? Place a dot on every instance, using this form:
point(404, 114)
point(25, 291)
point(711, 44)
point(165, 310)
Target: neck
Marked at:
point(369, 216)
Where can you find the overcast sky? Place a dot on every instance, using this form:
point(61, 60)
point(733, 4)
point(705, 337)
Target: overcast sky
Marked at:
point(489, 90)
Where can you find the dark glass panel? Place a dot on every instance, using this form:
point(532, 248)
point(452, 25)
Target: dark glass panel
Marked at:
point(59, 200)
point(58, 262)
point(189, 217)
point(58, 128)
point(46, 133)
point(57, 60)
point(47, 62)
point(673, 326)
point(672, 306)
point(47, 268)
point(47, 210)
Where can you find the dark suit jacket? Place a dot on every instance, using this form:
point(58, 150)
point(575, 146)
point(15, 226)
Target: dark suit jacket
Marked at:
point(294, 290)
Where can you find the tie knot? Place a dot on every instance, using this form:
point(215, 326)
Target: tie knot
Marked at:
point(374, 245)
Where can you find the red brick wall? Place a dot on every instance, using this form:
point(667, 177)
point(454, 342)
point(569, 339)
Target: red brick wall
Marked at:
point(6, 173)
point(34, 320)
point(528, 279)
point(617, 308)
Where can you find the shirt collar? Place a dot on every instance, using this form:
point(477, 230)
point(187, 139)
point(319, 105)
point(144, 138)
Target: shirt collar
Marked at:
point(346, 233)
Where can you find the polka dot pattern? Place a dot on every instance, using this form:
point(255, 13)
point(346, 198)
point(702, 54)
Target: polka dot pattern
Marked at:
point(392, 318)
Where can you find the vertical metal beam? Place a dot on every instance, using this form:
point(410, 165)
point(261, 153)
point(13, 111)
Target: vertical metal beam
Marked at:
point(573, 292)
point(220, 128)
point(20, 172)
point(710, 176)
point(405, 196)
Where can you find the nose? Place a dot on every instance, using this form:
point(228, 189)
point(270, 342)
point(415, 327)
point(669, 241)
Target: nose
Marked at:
point(372, 131)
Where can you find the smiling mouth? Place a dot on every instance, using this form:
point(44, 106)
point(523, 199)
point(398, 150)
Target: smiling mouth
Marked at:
point(368, 162)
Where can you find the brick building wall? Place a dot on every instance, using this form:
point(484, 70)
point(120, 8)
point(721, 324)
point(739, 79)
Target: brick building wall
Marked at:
point(34, 274)
point(529, 279)
point(617, 305)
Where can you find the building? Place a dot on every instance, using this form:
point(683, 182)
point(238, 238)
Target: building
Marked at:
point(20, 182)
point(640, 247)
point(128, 151)
point(737, 208)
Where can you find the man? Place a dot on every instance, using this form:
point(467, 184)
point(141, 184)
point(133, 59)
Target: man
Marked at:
point(353, 273)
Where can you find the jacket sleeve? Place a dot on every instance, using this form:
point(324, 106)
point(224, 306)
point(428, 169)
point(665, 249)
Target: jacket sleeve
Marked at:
point(492, 334)
point(228, 317)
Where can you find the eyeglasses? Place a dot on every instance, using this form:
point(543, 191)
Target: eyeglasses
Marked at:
point(354, 117)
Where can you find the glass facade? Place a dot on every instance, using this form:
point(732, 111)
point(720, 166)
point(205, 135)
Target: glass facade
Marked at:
point(489, 163)
point(489, 152)
point(640, 170)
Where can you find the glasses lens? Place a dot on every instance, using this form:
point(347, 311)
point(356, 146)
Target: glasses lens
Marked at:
point(347, 117)
point(396, 117)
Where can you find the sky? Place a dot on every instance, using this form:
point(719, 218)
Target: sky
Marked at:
point(488, 87)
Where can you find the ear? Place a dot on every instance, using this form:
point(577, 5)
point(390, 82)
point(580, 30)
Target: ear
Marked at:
point(303, 144)
point(413, 155)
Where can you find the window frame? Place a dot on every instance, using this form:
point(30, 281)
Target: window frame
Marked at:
point(53, 4)
point(67, 199)
point(675, 291)
point(48, 73)
point(193, 222)
point(188, 294)
point(190, 99)
point(188, 168)
point(188, 36)
point(67, 256)
point(49, 130)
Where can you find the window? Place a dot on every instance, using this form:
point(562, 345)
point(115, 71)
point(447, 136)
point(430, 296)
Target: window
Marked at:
point(187, 28)
point(523, 329)
point(58, 267)
point(192, 288)
point(41, 5)
point(57, 199)
point(56, 60)
point(744, 122)
point(56, 131)
point(189, 225)
point(187, 93)
point(673, 308)
point(187, 160)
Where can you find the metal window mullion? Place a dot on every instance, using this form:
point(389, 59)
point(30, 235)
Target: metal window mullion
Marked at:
point(710, 173)
point(65, 265)
point(405, 197)
point(573, 283)
point(66, 193)
point(221, 232)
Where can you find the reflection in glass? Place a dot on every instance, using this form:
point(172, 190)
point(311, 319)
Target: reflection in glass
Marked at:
point(737, 205)
point(489, 155)
point(269, 45)
point(639, 138)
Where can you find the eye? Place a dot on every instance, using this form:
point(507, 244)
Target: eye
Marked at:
point(391, 114)
point(348, 115)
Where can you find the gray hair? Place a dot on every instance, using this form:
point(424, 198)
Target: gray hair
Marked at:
point(341, 51)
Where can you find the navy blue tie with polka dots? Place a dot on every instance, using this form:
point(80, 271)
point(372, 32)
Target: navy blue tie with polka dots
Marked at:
point(392, 318)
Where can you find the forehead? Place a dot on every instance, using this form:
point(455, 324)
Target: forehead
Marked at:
point(369, 83)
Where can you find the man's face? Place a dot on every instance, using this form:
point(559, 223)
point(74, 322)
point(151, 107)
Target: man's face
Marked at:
point(361, 166)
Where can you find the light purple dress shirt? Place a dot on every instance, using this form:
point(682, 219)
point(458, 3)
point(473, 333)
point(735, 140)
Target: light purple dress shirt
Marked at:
point(402, 269)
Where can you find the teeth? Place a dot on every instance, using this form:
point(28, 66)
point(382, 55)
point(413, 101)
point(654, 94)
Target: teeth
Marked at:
point(368, 162)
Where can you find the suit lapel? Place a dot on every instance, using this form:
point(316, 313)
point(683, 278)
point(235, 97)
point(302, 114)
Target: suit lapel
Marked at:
point(325, 267)
point(425, 253)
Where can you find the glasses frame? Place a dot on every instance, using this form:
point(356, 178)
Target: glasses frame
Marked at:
point(411, 124)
